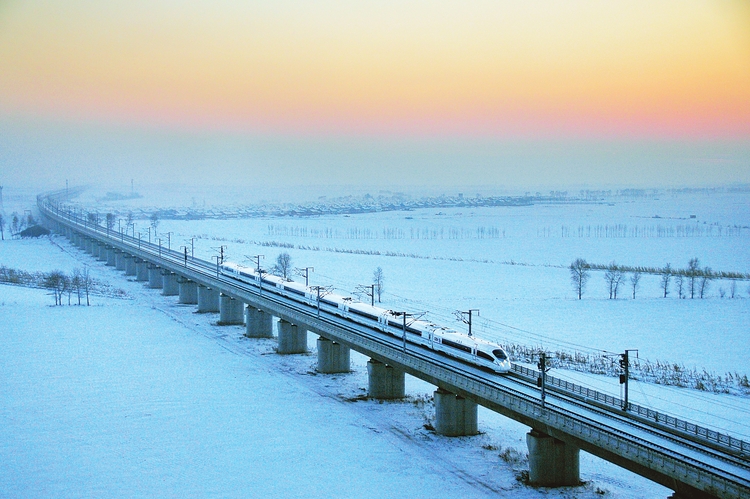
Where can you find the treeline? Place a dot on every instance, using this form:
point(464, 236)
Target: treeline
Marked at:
point(692, 281)
point(386, 233)
point(16, 223)
point(633, 231)
point(77, 286)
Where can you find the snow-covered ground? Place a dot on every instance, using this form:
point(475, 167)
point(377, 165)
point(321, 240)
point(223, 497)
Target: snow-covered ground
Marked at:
point(142, 397)
point(207, 432)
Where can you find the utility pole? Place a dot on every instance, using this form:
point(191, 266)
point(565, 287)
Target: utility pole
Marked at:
point(542, 380)
point(625, 375)
point(169, 241)
point(404, 315)
point(321, 289)
point(159, 247)
point(462, 316)
point(369, 290)
point(186, 255)
point(305, 272)
point(257, 262)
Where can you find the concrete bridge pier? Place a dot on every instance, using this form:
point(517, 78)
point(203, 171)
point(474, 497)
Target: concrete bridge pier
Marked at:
point(292, 339)
point(141, 270)
point(231, 311)
point(120, 262)
point(455, 416)
point(258, 324)
point(552, 462)
point(208, 300)
point(188, 291)
point(129, 264)
point(88, 246)
point(170, 287)
point(155, 280)
point(102, 253)
point(385, 382)
point(332, 357)
point(111, 257)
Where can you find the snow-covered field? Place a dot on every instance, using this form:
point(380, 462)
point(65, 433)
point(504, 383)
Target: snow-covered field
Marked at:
point(142, 397)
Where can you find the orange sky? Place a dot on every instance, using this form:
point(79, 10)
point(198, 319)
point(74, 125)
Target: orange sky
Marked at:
point(477, 68)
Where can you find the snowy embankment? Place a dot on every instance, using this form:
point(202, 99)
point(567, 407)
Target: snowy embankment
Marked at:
point(142, 397)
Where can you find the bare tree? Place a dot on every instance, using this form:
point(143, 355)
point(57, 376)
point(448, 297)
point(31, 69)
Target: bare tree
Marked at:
point(154, 220)
point(635, 279)
point(679, 280)
point(704, 281)
point(110, 220)
point(579, 275)
point(613, 276)
point(283, 265)
point(666, 276)
point(692, 275)
point(378, 278)
point(86, 283)
point(76, 282)
point(57, 282)
point(14, 221)
point(2, 227)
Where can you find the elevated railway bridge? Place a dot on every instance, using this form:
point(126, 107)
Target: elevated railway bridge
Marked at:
point(693, 461)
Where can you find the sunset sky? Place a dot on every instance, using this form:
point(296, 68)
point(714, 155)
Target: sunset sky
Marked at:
point(509, 93)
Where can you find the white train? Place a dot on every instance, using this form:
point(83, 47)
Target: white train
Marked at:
point(469, 349)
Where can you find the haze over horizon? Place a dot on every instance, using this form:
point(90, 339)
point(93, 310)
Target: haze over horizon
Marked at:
point(502, 94)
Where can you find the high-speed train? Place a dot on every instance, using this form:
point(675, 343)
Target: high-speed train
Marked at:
point(467, 348)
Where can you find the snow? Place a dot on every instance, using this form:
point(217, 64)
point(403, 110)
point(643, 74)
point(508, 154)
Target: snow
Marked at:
point(143, 397)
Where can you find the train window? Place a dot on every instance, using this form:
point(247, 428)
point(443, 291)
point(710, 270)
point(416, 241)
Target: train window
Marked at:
point(500, 354)
point(485, 356)
point(456, 345)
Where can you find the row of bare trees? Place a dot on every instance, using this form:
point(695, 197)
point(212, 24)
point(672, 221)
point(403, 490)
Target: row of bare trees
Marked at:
point(692, 281)
point(17, 223)
point(61, 284)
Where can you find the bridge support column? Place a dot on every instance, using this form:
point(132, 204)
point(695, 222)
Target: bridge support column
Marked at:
point(455, 416)
point(208, 300)
point(188, 291)
point(103, 253)
point(552, 462)
point(332, 357)
point(120, 263)
point(230, 311)
point(292, 339)
point(111, 254)
point(129, 264)
point(141, 270)
point(88, 246)
point(384, 381)
point(258, 324)
point(155, 280)
point(170, 287)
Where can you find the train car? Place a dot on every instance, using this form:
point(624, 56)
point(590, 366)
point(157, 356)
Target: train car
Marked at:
point(461, 346)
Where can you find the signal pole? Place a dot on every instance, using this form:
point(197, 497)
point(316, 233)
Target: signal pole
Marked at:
point(625, 375)
point(542, 380)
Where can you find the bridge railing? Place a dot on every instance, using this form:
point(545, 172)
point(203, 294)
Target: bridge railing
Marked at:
point(725, 441)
